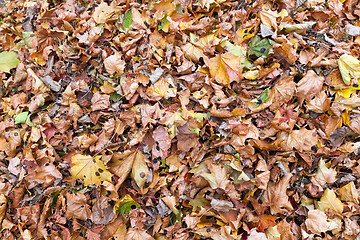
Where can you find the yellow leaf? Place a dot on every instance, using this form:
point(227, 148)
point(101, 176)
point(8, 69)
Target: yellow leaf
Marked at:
point(243, 34)
point(349, 193)
point(91, 170)
point(345, 117)
point(140, 170)
point(164, 88)
point(225, 68)
point(349, 67)
point(330, 201)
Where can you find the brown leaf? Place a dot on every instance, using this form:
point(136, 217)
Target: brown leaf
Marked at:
point(100, 101)
point(163, 142)
point(275, 196)
point(309, 86)
point(114, 64)
point(284, 90)
point(77, 206)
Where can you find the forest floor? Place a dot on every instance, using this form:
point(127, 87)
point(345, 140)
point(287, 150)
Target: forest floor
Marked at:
point(179, 119)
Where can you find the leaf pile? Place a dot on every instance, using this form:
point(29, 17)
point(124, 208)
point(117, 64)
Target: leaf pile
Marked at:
point(203, 119)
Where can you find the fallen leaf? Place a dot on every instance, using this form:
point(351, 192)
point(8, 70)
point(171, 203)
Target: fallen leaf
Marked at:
point(77, 206)
point(309, 86)
point(276, 198)
point(217, 178)
point(349, 193)
point(349, 67)
point(225, 68)
point(140, 170)
point(104, 13)
point(8, 61)
point(330, 201)
point(316, 222)
point(114, 64)
point(324, 174)
point(91, 170)
point(100, 101)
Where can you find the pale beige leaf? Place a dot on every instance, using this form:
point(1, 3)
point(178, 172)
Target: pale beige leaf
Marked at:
point(316, 222)
point(309, 86)
point(114, 64)
point(324, 174)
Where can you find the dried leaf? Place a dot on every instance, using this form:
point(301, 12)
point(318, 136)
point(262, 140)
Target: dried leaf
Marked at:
point(91, 170)
point(330, 201)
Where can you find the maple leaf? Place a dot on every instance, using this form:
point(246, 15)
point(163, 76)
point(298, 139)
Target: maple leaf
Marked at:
point(283, 91)
point(104, 13)
point(309, 86)
point(115, 229)
point(225, 68)
point(217, 178)
point(266, 221)
point(199, 201)
point(330, 201)
point(91, 170)
point(316, 222)
point(324, 174)
point(349, 193)
point(100, 101)
point(114, 64)
point(276, 196)
point(136, 234)
point(77, 206)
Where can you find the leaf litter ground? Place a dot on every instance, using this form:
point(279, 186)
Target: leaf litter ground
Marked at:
point(207, 119)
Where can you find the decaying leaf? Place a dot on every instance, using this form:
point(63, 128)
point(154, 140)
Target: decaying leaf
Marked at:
point(325, 174)
point(316, 222)
point(90, 169)
point(275, 196)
